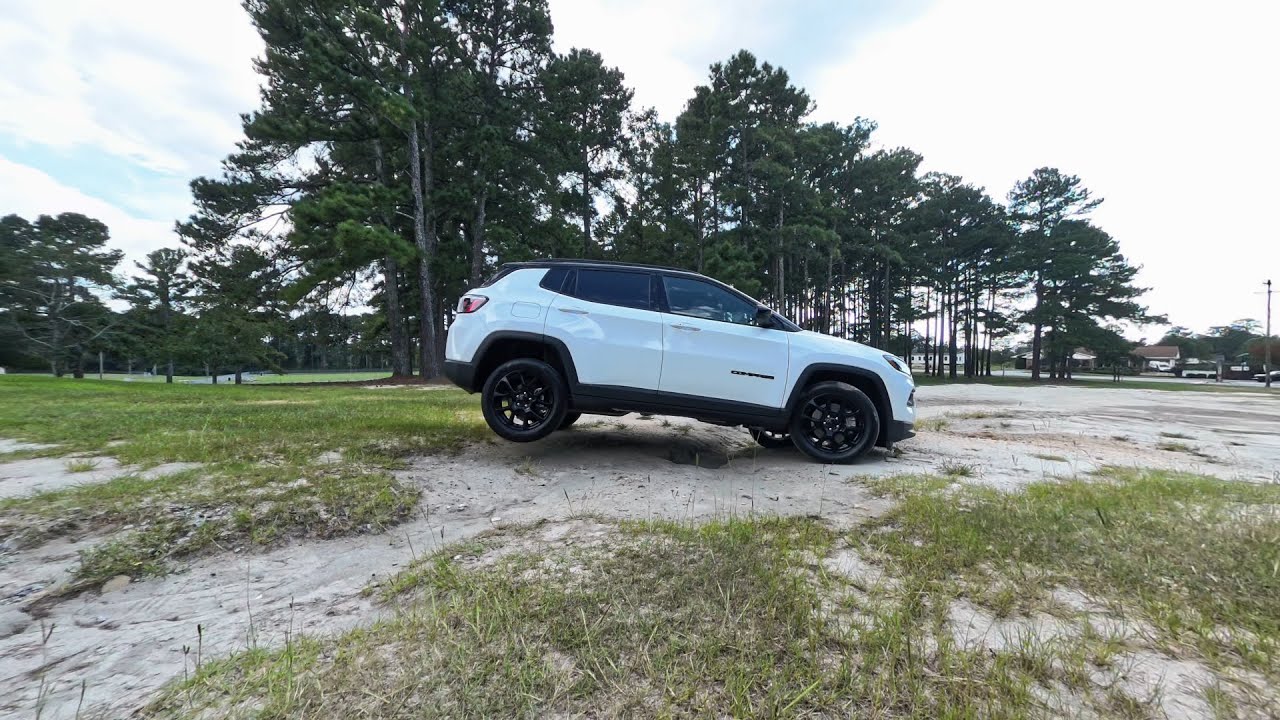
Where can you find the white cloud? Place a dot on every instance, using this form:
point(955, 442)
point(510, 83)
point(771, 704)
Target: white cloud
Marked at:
point(663, 47)
point(1166, 109)
point(30, 193)
point(155, 82)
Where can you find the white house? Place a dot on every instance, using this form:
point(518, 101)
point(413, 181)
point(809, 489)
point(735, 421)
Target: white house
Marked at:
point(920, 359)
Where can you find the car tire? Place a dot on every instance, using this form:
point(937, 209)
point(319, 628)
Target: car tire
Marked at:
point(569, 419)
point(770, 439)
point(524, 400)
point(834, 422)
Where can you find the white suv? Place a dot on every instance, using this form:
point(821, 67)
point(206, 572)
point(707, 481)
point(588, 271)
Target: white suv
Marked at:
point(545, 342)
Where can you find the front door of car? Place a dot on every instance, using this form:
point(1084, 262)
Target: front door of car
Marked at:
point(712, 347)
point(612, 329)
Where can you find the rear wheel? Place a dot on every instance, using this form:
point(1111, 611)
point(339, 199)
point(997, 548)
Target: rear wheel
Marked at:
point(569, 419)
point(524, 400)
point(835, 422)
point(770, 438)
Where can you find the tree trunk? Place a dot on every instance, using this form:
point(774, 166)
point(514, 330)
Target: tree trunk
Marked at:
point(400, 366)
point(1037, 341)
point(587, 208)
point(477, 235)
point(423, 240)
point(239, 376)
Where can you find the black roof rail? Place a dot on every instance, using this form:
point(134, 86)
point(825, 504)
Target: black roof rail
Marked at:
point(579, 262)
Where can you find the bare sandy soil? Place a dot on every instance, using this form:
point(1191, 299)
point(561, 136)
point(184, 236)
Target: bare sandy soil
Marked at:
point(123, 643)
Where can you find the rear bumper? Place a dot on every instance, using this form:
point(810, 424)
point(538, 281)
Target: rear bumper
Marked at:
point(462, 374)
point(898, 431)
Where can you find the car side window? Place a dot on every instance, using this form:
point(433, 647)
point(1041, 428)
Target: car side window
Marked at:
point(554, 279)
point(613, 287)
point(696, 298)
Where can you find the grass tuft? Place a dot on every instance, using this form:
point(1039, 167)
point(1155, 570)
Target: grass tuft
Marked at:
point(935, 424)
point(958, 469)
point(81, 465)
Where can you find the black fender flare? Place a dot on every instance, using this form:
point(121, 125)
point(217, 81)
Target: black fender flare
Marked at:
point(880, 396)
point(555, 349)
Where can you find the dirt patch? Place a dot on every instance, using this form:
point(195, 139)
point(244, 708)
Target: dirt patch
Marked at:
point(1175, 687)
point(14, 446)
point(37, 475)
point(1016, 435)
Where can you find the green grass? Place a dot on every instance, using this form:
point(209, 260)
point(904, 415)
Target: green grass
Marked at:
point(1049, 458)
point(729, 619)
point(934, 424)
point(1193, 554)
point(318, 377)
point(80, 465)
point(740, 617)
point(267, 379)
point(260, 478)
point(957, 470)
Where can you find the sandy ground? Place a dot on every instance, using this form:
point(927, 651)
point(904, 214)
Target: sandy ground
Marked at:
point(126, 641)
point(45, 474)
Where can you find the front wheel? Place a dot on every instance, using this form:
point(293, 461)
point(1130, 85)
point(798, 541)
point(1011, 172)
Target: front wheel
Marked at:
point(569, 419)
point(524, 400)
point(770, 438)
point(834, 423)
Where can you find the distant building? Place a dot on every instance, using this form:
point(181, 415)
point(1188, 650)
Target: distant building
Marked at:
point(925, 357)
point(1164, 358)
point(1081, 359)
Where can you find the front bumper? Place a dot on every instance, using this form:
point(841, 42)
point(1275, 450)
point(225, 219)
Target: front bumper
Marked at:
point(898, 431)
point(462, 374)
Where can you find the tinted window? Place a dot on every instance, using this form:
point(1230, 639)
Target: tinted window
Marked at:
point(554, 279)
point(611, 287)
point(502, 272)
point(695, 298)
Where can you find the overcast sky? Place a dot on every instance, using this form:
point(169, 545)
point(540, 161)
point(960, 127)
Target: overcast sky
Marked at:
point(1170, 110)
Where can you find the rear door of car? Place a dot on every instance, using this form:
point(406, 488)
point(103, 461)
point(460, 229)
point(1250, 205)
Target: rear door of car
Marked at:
point(608, 319)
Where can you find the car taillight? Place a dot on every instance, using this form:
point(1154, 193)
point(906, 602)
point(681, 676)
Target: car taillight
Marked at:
point(471, 303)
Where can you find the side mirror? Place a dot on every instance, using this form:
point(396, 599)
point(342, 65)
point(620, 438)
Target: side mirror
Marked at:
point(764, 316)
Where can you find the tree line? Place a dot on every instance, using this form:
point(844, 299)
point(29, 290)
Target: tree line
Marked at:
point(404, 148)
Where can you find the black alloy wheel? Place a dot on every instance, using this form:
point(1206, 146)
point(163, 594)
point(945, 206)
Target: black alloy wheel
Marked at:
point(524, 400)
point(835, 422)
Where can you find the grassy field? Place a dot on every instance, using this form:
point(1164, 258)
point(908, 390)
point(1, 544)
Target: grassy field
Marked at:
point(274, 462)
point(268, 379)
point(323, 377)
point(743, 618)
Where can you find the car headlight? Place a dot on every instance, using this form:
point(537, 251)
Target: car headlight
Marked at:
point(896, 364)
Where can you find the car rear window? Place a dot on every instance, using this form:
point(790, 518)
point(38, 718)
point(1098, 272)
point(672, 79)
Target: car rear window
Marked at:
point(554, 279)
point(501, 272)
point(613, 287)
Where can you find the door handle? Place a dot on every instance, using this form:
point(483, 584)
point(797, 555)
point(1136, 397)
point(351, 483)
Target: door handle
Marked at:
point(682, 326)
point(573, 311)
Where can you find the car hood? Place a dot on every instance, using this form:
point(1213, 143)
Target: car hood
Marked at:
point(828, 343)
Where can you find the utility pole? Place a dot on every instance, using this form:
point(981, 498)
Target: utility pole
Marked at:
point(1266, 362)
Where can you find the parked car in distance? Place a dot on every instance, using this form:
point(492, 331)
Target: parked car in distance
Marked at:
point(545, 342)
point(1210, 373)
point(1262, 377)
